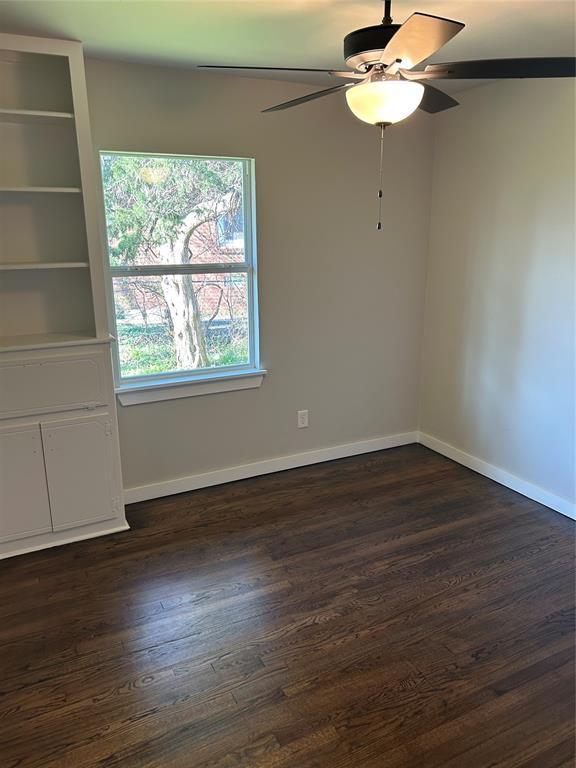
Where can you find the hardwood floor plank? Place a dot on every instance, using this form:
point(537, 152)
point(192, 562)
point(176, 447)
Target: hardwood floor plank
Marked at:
point(392, 609)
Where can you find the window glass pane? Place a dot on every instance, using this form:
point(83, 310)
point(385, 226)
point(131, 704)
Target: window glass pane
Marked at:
point(173, 210)
point(181, 322)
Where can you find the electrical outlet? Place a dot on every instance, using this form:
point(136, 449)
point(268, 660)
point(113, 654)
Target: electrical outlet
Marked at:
point(302, 419)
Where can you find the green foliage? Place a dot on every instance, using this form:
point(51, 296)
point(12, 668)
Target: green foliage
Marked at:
point(147, 200)
point(146, 351)
point(233, 352)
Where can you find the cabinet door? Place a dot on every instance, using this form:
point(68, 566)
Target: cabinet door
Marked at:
point(79, 468)
point(24, 505)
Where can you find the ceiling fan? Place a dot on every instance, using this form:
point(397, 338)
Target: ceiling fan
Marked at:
point(386, 88)
point(382, 60)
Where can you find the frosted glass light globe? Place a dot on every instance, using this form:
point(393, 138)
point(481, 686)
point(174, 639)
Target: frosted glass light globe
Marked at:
point(384, 101)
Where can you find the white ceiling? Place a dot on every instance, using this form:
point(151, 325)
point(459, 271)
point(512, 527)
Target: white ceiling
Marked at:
point(284, 32)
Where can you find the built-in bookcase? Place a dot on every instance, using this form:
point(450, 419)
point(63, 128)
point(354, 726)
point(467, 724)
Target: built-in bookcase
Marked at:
point(51, 276)
point(59, 449)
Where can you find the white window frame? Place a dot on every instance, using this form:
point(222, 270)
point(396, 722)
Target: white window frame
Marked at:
point(175, 384)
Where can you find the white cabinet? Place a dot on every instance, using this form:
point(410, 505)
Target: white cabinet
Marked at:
point(24, 505)
point(80, 470)
point(60, 477)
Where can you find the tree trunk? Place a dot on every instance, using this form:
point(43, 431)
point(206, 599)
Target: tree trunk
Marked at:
point(187, 328)
point(188, 332)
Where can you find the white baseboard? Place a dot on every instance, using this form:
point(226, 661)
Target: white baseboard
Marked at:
point(243, 471)
point(68, 537)
point(533, 492)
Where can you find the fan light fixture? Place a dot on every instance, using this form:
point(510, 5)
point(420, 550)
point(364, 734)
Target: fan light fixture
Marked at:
point(383, 101)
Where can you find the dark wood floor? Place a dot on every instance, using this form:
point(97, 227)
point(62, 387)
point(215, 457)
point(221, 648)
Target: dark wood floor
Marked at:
point(383, 611)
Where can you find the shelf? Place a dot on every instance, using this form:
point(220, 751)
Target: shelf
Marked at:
point(39, 265)
point(45, 302)
point(34, 81)
point(32, 232)
point(48, 340)
point(33, 116)
point(26, 190)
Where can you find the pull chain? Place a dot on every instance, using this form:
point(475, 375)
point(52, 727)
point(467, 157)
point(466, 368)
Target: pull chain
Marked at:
point(380, 193)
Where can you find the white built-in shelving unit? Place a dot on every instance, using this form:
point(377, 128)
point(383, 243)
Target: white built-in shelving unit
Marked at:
point(50, 254)
point(54, 340)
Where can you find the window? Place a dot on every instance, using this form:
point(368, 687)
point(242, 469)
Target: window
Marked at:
point(182, 267)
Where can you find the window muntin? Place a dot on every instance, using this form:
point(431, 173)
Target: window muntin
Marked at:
point(182, 264)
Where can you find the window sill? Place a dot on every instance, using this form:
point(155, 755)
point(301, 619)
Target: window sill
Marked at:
point(172, 389)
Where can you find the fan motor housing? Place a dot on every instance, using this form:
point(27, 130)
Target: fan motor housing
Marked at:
point(363, 47)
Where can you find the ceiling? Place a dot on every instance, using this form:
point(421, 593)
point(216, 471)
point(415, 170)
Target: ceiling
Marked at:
point(284, 32)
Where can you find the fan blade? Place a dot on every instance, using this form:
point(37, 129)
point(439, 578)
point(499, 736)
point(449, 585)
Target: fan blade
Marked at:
point(497, 69)
point(333, 72)
point(309, 97)
point(419, 37)
point(436, 101)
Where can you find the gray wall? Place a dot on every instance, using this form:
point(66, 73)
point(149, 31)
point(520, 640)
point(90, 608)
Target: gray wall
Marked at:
point(341, 304)
point(498, 355)
point(479, 203)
